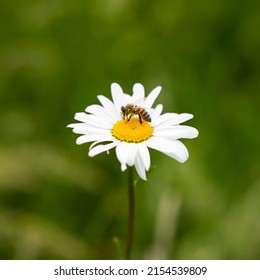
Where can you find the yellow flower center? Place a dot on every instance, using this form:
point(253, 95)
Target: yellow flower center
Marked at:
point(132, 130)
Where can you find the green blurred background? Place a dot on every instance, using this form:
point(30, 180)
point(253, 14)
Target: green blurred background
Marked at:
point(56, 56)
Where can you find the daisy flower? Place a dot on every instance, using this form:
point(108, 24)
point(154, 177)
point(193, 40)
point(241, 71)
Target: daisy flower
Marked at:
point(131, 126)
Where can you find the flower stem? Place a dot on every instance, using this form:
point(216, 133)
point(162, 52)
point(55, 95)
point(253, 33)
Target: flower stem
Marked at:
point(131, 213)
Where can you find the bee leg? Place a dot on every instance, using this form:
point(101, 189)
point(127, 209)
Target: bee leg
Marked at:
point(140, 119)
point(128, 119)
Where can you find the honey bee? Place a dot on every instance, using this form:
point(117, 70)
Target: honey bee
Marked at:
point(131, 109)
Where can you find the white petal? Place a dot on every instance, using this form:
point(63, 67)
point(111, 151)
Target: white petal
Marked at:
point(165, 118)
point(92, 120)
point(83, 128)
point(93, 109)
point(100, 112)
point(91, 130)
point(156, 112)
point(127, 99)
point(122, 154)
point(94, 144)
point(118, 97)
point(138, 92)
point(176, 132)
point(172, 119)
point(101, 148)
point(181, 118)
point(93, 137)
point(73, 125)
point(82, 117)
point(123, 167)
point(149, 100)
point(172, 148)
point(109, 106)
point(139, 166)
point(144, 155)
point(132, 147)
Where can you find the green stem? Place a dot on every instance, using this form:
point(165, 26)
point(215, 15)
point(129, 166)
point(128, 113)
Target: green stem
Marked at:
point(131, 213)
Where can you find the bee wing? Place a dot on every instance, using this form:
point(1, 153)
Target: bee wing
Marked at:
point(140, 102)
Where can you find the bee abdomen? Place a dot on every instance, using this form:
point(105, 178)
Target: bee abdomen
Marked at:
point(146, 116)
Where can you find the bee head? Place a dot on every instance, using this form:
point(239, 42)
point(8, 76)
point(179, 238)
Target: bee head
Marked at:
point(123, 109)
